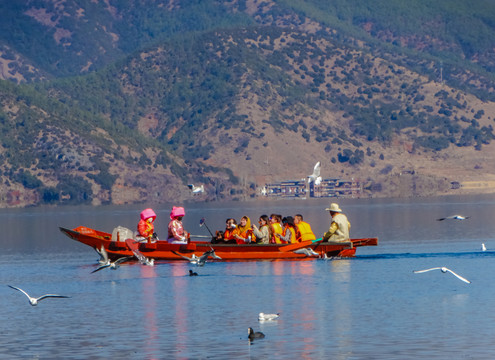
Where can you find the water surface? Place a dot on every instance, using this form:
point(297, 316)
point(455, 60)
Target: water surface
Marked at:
point(368, 307)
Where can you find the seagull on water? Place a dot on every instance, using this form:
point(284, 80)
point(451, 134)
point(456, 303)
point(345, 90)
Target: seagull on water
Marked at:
point(306, 251)
point(267, 317)
point(113, 265)
point(255, 335)
point(196, 189)
point(200, 261)
point(34, 301)
point(444, 270)
point(454, 217)
point(315, 176)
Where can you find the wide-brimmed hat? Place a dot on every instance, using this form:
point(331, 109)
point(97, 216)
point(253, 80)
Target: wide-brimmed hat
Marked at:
point(333, 207)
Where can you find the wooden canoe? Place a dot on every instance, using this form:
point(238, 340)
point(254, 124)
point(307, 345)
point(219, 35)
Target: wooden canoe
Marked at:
point(162, 250)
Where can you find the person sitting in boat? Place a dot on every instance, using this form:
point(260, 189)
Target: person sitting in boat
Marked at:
point(340, 226)
point(276, 225)
point(176, 232)
point(263, 234)
point(145, 227)
point(304, 228)
point(231, 230)
point(245, 232)
point(290, 233)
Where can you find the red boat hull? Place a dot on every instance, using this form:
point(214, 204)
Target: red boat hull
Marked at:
point(162, 250)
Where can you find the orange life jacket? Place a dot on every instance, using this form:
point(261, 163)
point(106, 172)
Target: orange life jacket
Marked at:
point(306, 232)
point(245, 235)
point(277, 229)
point(145, 229)
point(293, 237)
point(229, 234)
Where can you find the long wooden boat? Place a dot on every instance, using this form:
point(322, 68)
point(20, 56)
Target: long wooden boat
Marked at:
point(162, 250)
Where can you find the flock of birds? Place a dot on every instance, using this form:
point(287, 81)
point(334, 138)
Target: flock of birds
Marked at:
point(443, 269)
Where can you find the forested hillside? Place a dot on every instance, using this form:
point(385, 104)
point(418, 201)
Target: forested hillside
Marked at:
point(114, 102)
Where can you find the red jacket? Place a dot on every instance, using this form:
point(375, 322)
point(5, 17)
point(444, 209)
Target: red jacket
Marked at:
point(145, 228)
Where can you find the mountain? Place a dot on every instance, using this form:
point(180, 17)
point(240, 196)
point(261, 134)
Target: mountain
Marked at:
point(122, 102)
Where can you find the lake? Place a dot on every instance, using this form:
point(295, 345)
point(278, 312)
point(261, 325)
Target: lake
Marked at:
point(369, 307)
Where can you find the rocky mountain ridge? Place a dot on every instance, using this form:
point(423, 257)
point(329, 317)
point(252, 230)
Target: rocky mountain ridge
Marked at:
point(236, 107)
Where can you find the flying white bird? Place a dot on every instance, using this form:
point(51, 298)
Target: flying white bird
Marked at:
point(200, 261)
point(143, 259)
point(34, 301)
point(483, 247)
point(267, 317)
point(103, 260)
point(454, 217)
point(444, 270)
point(113, 265)
point(196, 189)
point(315, 176)
point(306, 251)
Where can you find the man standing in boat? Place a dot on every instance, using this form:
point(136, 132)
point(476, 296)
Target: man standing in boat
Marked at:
point(340, 226)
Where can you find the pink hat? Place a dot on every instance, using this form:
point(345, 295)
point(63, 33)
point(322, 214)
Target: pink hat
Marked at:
point(148, 213)
point(176, 212)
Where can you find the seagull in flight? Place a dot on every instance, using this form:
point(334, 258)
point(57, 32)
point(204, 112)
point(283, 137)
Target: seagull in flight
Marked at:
point(34, 301)
point(267, 317)
point(143, 259)
point(306, 251)
point(444, 270)
point(193, 259)
point(200, 261)
point(196, 189)
point(103, 260)
point(454, 217)
point(315, 176)
point(113, 265)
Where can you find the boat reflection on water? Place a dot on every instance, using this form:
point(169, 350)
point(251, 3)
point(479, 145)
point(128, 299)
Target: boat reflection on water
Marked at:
point(342, 300)
point(148, 273)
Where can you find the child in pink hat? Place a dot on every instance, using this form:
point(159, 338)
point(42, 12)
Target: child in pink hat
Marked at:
point(146, 228)
point(176, 233)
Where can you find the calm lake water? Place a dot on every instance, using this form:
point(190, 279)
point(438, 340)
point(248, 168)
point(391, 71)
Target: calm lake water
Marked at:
point(369, 307)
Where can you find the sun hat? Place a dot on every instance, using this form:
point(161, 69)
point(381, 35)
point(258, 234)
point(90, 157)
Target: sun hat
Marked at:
point(148, 213)
point(177, 211)
point(334, 207)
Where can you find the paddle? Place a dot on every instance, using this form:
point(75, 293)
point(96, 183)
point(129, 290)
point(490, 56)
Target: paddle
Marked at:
point(203, 222)
point(292, 247)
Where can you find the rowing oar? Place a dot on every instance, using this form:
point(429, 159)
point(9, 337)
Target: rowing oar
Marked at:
point(203, 222)
point(300, 245)
point(201, 236)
